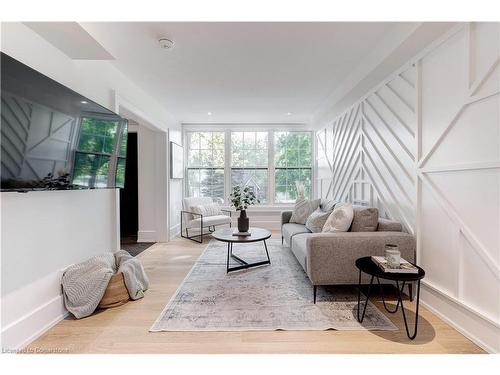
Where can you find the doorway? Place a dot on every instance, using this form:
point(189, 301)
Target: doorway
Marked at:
point(129, 198)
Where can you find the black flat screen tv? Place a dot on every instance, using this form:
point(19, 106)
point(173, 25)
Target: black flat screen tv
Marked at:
point(53, 138)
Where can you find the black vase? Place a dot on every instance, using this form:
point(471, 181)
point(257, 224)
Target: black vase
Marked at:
point(243, 222)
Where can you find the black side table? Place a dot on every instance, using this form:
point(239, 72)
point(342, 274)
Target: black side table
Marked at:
point(368, 266)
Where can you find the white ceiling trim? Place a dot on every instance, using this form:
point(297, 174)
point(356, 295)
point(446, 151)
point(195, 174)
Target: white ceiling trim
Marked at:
point(71, 39)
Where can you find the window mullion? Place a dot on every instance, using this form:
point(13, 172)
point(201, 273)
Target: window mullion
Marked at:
point(227, 165)
point(270, 169)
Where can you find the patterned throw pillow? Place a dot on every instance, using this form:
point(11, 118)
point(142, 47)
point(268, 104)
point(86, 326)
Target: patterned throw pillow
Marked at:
point(211, 209)
point(340, 219)
point(303, 208)
point(316, 221)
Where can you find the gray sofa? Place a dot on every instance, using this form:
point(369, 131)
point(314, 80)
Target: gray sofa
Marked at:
point(328, 258)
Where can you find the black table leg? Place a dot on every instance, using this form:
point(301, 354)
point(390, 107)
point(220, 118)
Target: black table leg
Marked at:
point(267, 252)
point(383, 298)
point(228, 253)
point(243, 264)
point(400, 300)
point(367, 297)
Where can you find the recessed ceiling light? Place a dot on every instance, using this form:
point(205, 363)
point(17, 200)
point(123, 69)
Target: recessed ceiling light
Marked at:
point(289, 113)
point(83, 101)
point(209, 113)
point(165, 43)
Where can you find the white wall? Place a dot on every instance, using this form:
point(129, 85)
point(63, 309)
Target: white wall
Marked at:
point(37, 305)
point(42, 233)
point(176, 187)
point(424, 146)
point(152, 185)
point(459, 180)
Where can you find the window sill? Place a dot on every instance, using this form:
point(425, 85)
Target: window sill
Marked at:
point(264, 208)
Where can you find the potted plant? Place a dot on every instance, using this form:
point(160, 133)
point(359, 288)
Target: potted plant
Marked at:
point(241, 199)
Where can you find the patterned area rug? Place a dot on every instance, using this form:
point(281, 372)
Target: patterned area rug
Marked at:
point(271, 297)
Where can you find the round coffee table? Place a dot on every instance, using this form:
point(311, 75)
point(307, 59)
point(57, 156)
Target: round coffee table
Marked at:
point(368, 266)
point(257, 234)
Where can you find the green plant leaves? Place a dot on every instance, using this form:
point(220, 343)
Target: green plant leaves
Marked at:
point(241, 199)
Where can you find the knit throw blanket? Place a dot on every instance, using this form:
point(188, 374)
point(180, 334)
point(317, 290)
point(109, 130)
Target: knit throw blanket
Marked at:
point(84, 283)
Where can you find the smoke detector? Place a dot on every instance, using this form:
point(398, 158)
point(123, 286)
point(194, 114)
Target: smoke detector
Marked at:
point(166, 43)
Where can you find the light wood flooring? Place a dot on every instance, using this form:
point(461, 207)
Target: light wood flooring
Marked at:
point(125, 329)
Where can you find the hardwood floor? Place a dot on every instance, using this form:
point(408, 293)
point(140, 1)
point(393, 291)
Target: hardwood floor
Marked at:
point(125, 329)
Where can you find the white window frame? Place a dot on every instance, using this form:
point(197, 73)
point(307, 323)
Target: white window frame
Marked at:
point(271, 129)
point(313, 162)
point(229, 186)
point(186, 159)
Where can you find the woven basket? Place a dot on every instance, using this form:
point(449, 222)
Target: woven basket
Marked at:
point(116, 293)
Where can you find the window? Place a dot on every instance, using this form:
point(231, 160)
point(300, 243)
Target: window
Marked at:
point(268, 161)
point(292, 161)
point(205, 166)
point(249, 162)
point(97, 159)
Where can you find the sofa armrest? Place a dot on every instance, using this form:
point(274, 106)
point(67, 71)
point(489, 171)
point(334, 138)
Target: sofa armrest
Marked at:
point(285, 217)
point(331, 256)
point(386, 225)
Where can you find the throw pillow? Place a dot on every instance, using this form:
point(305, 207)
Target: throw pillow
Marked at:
point(316, 221)
point(211, 209)
point(340, 219)
point(328, 205)
point(365, 219)
point(303, 208)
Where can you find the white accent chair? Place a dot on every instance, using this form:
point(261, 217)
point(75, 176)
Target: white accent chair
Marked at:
point(194, 221)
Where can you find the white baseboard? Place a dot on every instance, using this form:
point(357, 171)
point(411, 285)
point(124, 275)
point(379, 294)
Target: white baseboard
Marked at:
point(146, 236)
point(474, 326)
point(29, 327)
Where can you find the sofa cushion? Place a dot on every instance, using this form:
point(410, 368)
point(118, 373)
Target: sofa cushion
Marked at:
point(289, 230)
point(316, 221)
point(328, 205)
point(285, 217)
point(386, 225)
point(299, 248)
point(303, 208)
point(340, 219)
point(365, 219)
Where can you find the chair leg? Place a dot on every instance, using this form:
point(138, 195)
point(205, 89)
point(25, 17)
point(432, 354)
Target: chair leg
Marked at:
point(315, 288)
point(201, 229)
point(410, 291)
point(282, 240)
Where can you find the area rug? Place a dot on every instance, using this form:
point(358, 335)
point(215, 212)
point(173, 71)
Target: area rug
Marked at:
point(271, 297)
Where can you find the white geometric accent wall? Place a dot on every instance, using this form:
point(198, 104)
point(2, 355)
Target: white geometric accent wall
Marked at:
point(368, 153)
point(424, 147)
point(459, 174)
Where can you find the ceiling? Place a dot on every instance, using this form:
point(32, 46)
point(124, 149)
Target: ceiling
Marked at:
point(240, 72)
